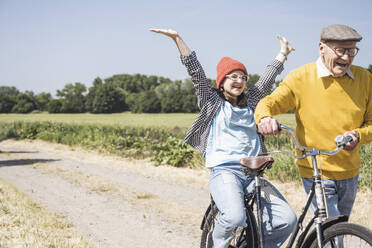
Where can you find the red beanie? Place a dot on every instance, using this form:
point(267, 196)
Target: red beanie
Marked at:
point(225, 66)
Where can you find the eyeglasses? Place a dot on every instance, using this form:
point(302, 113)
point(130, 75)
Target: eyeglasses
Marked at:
point(236, 77)
point(340, 51)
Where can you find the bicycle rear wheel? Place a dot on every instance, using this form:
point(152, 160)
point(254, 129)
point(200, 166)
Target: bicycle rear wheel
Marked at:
point(240, 238)
point(346, 235)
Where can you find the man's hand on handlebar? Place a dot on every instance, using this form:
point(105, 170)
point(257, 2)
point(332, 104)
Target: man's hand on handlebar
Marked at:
point(268, 126)
point(352, 144)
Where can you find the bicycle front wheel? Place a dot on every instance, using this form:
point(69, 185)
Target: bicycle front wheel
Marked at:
point(346, 235)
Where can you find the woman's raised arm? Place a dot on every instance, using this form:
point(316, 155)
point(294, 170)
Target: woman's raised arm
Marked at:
point(181, 45)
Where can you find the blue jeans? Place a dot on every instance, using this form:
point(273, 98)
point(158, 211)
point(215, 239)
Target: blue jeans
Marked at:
point(227, 186)
point(340, 195)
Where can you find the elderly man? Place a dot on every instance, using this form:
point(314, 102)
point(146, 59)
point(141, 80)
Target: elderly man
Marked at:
point(330, 97)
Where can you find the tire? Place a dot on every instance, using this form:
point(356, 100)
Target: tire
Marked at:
point(352, 235)
point(206, 237)
point(240, 239)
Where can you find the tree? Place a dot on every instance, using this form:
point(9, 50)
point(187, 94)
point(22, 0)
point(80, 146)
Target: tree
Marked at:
point(136, 83)
point(24, 104)
point(172, 103)
point(108, 99)
point(144, 102)
point(167, 89)
point(6, 104)
point(252, 80)
point(190, 104)
point(150, 103)
point(92, 93)
point(55, 106)
point(7, 98)
point(370, 68)
point(8, 91)
point(189, 100)
point(73, 99)
point(42, 101)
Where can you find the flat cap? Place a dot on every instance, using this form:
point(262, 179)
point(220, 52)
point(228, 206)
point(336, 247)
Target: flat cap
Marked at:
point(339, 32)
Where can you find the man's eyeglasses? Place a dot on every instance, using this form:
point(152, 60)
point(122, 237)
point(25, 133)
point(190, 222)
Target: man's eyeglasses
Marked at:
point(340, 51)
point(236, 77)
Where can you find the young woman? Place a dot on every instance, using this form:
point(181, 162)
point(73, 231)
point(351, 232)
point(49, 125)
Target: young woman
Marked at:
point(224, 132)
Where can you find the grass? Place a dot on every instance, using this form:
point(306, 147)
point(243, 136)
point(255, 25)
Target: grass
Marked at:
point(172, 121)
point(23, 223)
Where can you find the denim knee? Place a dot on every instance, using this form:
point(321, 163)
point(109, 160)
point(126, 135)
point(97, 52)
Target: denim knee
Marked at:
point(283, 225)
point(291, 222)
point(233, 219)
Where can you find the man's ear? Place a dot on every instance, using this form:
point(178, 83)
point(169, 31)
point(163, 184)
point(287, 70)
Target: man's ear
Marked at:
point(321, 47)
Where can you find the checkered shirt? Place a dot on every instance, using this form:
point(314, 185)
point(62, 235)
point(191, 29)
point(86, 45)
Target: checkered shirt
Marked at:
point(209, 101)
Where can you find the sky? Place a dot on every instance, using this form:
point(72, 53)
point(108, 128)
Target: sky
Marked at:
point(46, 44)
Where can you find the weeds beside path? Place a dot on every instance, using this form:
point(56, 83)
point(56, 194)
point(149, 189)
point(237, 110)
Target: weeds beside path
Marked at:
point(116, 202)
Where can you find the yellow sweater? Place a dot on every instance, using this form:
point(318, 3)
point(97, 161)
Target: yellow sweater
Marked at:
point(324, 108)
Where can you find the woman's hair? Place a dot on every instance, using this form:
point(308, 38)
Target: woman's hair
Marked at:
point(242, 100)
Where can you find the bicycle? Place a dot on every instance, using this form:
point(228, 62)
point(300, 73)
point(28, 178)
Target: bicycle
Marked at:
point(326, 232)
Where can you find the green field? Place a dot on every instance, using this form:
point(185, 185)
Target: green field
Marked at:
point(122, 119)
point(179, 120)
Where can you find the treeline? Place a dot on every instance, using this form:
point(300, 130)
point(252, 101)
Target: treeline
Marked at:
point(136, 93)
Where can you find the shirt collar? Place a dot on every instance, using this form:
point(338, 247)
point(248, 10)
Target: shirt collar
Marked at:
point(324, 72)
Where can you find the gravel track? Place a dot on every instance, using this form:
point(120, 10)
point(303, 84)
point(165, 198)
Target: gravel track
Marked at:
point(169, 217)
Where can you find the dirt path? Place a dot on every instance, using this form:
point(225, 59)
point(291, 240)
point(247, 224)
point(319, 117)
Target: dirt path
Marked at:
point(115, 202)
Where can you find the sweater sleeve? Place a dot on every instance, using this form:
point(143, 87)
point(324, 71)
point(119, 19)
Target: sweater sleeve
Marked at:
point(365, 131)
point(200, 81)
point(280, 101)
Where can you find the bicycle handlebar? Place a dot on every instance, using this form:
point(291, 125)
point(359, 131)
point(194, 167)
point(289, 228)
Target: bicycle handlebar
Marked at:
point(340, 142)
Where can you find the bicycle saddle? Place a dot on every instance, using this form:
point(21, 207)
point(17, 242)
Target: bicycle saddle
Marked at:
point(256, 163)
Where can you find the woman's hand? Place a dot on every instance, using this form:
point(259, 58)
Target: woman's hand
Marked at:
point(181, 45)
point(168, 32)
point(285, 47)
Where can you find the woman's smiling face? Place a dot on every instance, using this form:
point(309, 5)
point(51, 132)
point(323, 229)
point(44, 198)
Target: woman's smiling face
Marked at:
point(234, 83)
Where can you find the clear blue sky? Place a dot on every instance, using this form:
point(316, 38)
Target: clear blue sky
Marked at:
point(45, 44)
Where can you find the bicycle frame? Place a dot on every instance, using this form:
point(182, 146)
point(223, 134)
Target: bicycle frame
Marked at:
point(320, 215)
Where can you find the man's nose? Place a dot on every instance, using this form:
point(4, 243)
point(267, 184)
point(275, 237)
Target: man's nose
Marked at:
point(346, 56)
